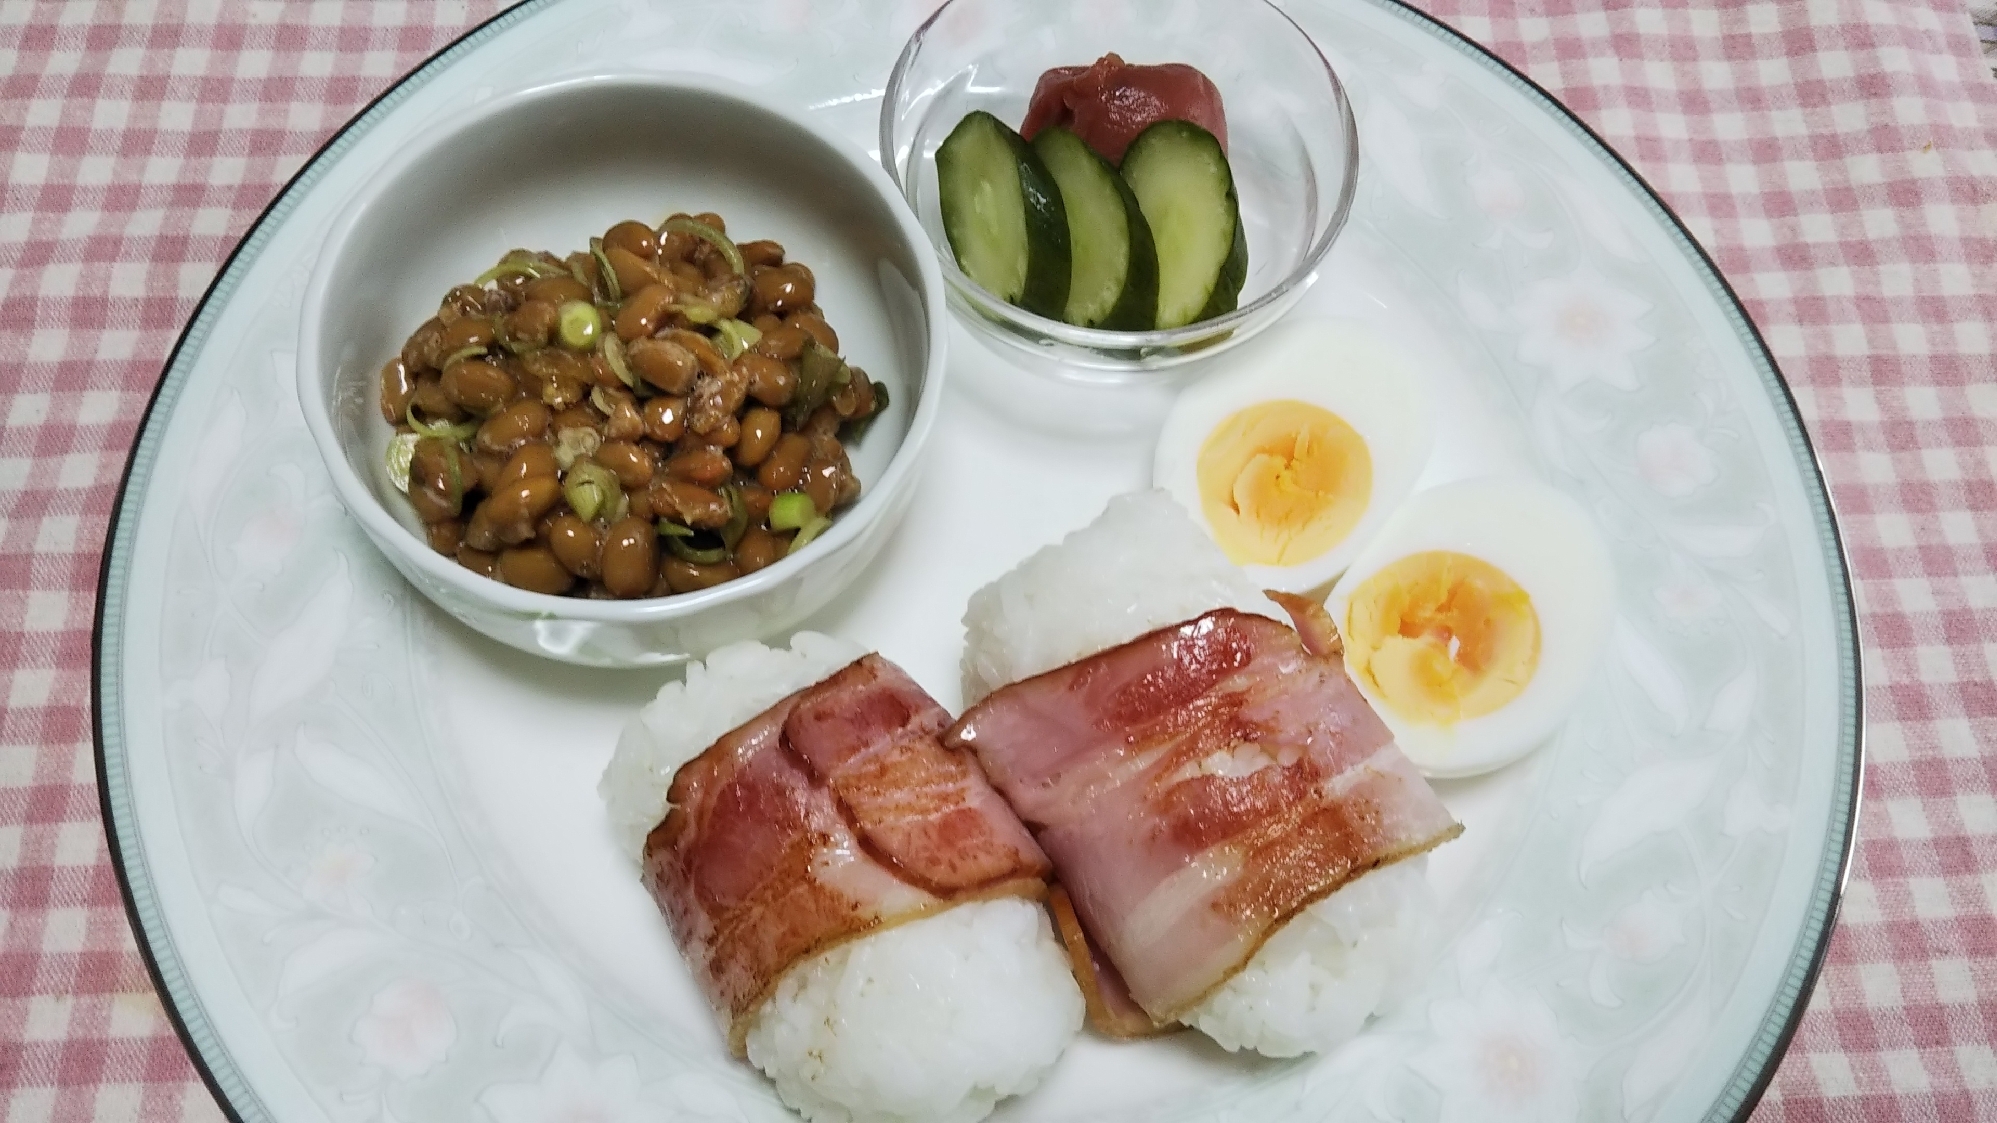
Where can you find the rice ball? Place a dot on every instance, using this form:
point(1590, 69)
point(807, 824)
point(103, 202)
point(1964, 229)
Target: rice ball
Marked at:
point(930, 1021)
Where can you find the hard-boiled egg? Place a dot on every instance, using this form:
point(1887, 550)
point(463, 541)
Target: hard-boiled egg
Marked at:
point(1297, 448)
point(1473, 620)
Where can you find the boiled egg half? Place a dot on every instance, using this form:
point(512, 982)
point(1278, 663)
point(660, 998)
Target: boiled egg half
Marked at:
point(1297, 448)
point(1475, 618)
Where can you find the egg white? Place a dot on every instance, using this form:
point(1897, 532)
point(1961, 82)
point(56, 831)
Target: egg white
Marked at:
point(1548, 545)
point(1341, 365)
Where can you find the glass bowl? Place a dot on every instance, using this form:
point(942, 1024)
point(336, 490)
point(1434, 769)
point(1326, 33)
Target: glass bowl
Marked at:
point(1292, 146)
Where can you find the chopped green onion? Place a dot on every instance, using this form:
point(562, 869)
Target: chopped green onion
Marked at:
point(600, 398)
point(516, 267)
point(576, 270)
point(791, 511)
point(610, 285)
point(735, 337)
point(540, 264)
point(672, 529)
point(738, 516)
point(857, 428)
point(820, 374)
point(401, 449)
point(590, 489)
point(682, 547)
point(461, 354)
point(720, 241)
point(503, 269)
point(613, 353)
point(697, 310)
point(574, 444)
point(581, 323)
point(811, 530)
point(442, 430)
point(619, 507)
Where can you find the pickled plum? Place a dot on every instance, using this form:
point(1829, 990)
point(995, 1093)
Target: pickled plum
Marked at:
point(1109, 102)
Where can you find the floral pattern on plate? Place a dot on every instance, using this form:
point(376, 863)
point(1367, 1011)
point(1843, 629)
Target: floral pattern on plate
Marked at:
point(339, 924)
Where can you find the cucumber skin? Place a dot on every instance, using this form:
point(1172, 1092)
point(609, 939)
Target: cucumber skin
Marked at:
point(1044, 291)
point(1233, 272)
point(1047, 251)
point(1136, 307)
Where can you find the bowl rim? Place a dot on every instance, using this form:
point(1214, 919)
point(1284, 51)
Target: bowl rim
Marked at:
point(1154, 339)
point(314, 383)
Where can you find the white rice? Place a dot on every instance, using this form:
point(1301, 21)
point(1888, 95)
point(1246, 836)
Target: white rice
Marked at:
point(735, 684)
point(1315, 983)
point(931, 1021)
point(1141, 565)
point(936, 1020)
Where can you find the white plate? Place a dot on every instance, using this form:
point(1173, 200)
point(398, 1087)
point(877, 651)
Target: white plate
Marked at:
point(361, 845)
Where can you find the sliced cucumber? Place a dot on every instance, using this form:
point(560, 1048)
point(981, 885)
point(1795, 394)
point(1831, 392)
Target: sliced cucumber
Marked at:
point(1113, 281)
point(1233, 273)
point(1181, 179)
point(1003, 215)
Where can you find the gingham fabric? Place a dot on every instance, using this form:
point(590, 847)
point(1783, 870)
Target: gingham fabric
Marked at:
point(1838, 157)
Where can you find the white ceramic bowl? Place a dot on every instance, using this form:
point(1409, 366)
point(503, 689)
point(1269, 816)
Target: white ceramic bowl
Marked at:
point(547, 168)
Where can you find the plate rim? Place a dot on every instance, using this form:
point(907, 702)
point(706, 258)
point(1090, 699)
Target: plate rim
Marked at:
point(1752, 1074)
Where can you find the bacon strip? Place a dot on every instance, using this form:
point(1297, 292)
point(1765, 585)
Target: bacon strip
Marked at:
point(1111, 1010)
point(1313, 623)
point(831, 815)
point(1198, 787)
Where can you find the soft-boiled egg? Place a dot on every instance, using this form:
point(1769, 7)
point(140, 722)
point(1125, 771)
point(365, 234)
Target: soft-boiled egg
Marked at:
point(1475, 617)
point(1296, 449)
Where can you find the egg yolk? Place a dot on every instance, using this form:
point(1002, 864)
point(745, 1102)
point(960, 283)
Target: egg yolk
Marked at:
point(1282, 482)
point(1441, 637)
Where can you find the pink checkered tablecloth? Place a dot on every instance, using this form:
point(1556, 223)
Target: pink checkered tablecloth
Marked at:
point(1838, 157)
